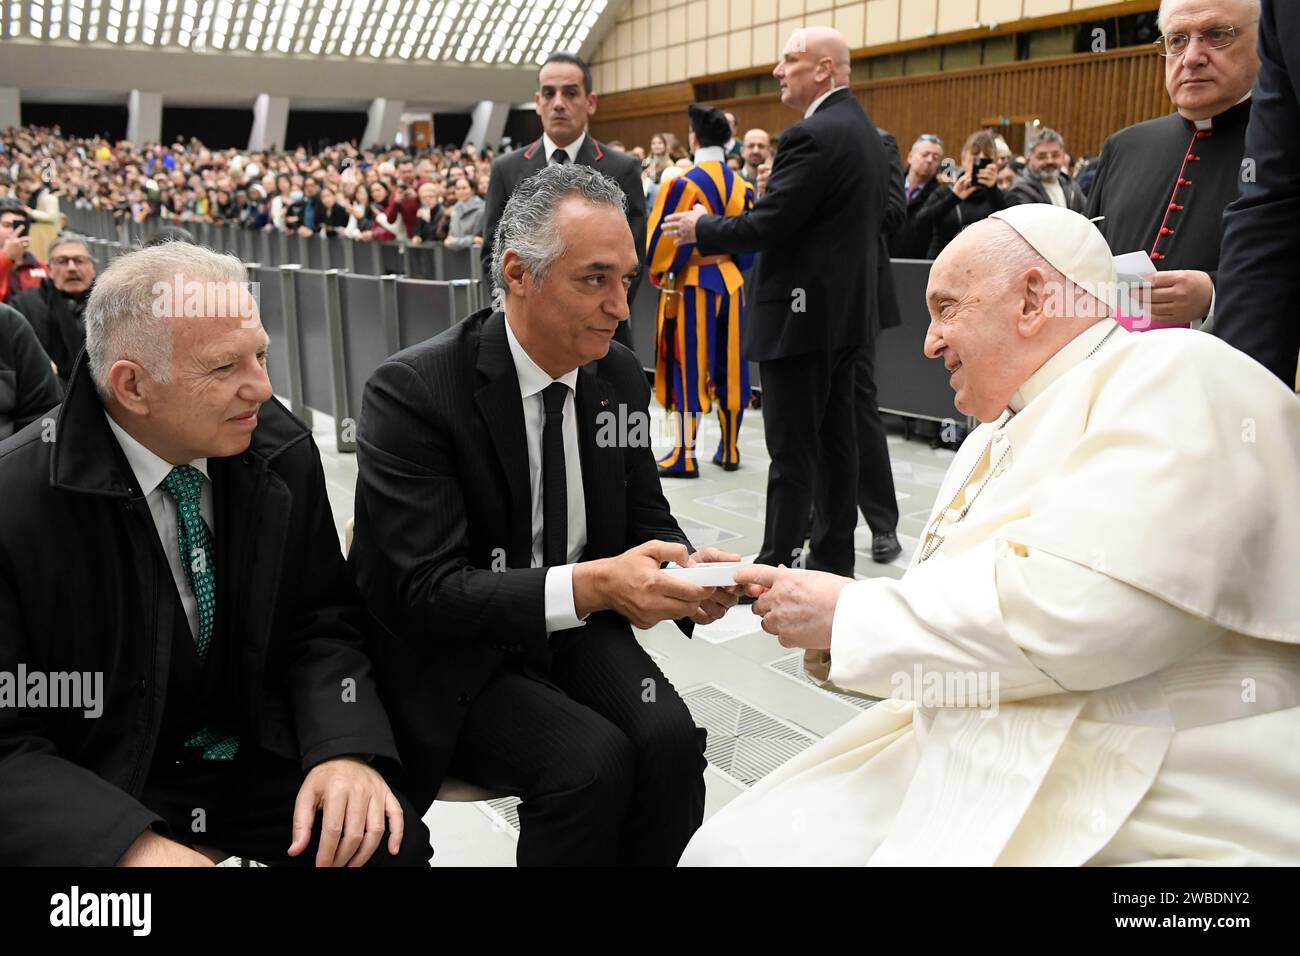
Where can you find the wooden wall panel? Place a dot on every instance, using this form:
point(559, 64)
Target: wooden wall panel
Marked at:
point(1085, 96)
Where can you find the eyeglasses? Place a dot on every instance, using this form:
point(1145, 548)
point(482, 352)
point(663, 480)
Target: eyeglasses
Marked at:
point(930, 138)
point(64, 261)
point(1216, 38)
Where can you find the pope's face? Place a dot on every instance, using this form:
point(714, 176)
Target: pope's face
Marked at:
point(972, 331)
point(1203, 82)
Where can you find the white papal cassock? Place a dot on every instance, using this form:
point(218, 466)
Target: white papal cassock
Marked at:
point(1131, 574)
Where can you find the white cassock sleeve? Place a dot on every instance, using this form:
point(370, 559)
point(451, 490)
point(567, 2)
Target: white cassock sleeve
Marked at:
point(1042, 623)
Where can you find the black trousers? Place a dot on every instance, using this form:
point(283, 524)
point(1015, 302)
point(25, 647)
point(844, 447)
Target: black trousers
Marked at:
point(245, 807)
point(876, 498)
point(602, 751)
point(811, 433)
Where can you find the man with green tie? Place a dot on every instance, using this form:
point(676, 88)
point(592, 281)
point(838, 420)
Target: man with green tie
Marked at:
point(167, 548)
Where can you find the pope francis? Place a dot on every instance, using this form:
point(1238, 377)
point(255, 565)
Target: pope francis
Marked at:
point(1094, 657)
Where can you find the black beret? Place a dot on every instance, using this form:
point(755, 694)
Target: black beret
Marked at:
point(710, 124)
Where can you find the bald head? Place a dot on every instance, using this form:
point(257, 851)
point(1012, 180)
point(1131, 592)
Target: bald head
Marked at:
point(814, 60)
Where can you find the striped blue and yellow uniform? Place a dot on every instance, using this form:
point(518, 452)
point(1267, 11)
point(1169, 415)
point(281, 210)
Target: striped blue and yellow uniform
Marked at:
point(698, 360)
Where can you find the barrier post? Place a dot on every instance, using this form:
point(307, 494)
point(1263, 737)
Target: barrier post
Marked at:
point(388, 313)
point(293, 344)
point(344, 425)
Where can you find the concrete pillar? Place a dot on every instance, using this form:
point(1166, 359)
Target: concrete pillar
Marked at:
point(488, 123)
point(144, 117)
point(385, 116)
point(10, 108)
point(270, 122)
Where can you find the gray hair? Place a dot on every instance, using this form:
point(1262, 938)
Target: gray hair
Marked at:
point(528, 223)
point(1162, 17)
point(127, 312)
point(68, 240)
point(1048, 135)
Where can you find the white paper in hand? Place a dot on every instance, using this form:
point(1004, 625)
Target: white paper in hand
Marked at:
point(1131, 270)
point(716, 574)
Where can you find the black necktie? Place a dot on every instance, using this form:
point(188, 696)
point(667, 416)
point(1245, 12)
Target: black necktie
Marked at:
point(560, 157)
point(555, 487)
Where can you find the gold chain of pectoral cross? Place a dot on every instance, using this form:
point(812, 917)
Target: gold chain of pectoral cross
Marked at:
point(933, 539)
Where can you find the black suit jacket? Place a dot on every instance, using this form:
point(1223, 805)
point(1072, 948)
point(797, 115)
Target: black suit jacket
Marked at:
point(510, 170)
point(60, 331)
point(84, 586)
point(911, 240)
point(1259, 264)
point(28, 388)
point(1026, 190)
point(895, 216)
point(443, 538)
point(818, 225)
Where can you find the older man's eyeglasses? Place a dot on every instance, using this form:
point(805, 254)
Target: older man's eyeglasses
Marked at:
point(930, 138)
point(64, 261)
point(1216, 38)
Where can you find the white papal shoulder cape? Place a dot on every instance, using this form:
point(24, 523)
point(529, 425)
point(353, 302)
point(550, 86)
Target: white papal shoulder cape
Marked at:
point(1130, 578)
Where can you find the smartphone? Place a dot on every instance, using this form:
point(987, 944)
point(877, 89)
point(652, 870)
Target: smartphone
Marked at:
point(981, 163)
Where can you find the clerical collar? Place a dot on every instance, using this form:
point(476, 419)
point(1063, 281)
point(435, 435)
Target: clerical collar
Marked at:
point(812, 107)
point(1219, 119)
point(1070, 355)
point(549, 146)
point(710, 154)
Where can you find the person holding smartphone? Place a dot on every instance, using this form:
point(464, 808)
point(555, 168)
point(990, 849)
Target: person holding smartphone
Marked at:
point(974, 196)
point(19, 269)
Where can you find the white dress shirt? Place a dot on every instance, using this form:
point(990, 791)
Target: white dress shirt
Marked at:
point(533, 380)
point(706, 154)
point(549, 145)
point(1055, 192)
point(812, 107)
point(150, 472)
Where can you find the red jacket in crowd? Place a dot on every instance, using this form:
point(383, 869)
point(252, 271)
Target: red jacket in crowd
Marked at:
point(20, 276)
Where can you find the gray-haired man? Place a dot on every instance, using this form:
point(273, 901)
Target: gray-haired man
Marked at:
point(510, 530)
point(167, 551)
point(1045, 179)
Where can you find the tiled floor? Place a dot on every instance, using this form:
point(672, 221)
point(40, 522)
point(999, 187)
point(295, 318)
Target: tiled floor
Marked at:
point(737, 680)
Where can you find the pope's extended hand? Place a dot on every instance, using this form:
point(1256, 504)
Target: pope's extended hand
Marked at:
point(797, 606)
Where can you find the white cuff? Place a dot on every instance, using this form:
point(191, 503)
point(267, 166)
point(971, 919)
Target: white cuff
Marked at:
point(560, 611)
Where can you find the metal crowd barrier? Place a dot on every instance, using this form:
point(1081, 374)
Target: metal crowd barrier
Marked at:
point(320, 251)
point(335, 309)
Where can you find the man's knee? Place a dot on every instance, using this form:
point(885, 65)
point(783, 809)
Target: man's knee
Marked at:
point(670, 749)
point(602, 766)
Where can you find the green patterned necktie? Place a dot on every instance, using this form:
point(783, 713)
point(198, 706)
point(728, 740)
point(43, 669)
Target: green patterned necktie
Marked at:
point(194, 544)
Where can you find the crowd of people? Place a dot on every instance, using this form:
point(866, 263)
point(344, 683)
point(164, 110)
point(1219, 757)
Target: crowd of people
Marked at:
point(365, 194)
point(506, 547)
point(437, 194)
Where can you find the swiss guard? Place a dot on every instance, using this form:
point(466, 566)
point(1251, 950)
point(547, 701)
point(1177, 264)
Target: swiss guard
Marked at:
point(701, 303)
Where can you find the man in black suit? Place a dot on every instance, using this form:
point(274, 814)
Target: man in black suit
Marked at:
point(172, 555)
point(1258, 282)
point(565, 101)
point(911, 239)
point(814, 301)
point(509, 531)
